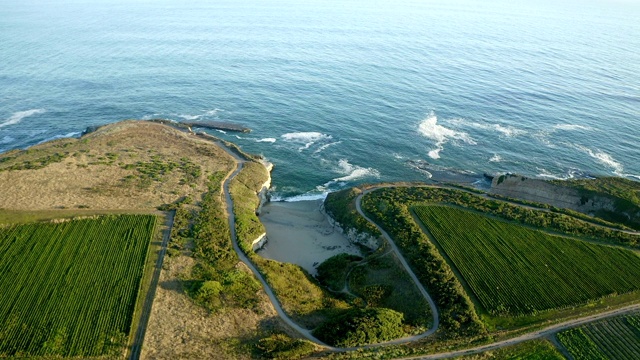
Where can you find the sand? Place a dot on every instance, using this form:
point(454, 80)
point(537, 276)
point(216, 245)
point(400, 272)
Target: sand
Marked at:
point(299, 233)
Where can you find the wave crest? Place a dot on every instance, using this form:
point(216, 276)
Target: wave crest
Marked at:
point(16, 117)
point(307, 138)
point(430, 129)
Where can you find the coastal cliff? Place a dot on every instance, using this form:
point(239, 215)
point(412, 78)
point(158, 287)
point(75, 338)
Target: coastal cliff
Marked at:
point(588, 196)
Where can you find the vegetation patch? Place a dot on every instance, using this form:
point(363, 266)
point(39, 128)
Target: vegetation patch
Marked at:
point(70, 288)
point(340, 205)
point(616, 338)
point(216, 281)
point(530, 350)
point(360, 327)
point(332, 273)
point(457, 312)
point(382, 282)
point(514, 270)
point(281, 346)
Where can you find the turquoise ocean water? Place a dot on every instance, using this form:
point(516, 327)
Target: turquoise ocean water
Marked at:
point(341, 92)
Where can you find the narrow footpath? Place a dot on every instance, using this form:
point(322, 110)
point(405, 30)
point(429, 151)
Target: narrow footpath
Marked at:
point(136, 347)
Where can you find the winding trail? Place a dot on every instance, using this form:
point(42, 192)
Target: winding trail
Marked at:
point(394, 248)
point(276, 304)
point(307, 333)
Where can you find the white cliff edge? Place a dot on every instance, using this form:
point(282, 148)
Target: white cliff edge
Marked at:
point(364, 239)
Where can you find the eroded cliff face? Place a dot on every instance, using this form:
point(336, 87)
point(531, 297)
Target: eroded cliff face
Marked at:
point(520, 187)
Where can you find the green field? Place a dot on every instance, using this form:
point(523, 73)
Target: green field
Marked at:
point(515, 270)
point(617, 338)
point(70, 288)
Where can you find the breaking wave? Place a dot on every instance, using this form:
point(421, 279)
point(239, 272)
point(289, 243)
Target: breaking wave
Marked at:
point(16, 117)
point(310, 196)
point(495, 158)
point(430, 129)
point(354, 172)
point(305, 138)
point(508, 131)
point(571, 127)
point(321, 148)
point(603, 158)
point(56, 137)
point(267, 140)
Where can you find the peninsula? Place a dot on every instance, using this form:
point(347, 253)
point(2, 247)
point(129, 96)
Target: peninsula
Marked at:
point(403, 270)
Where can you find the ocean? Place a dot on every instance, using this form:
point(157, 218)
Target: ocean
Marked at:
point(339, 93)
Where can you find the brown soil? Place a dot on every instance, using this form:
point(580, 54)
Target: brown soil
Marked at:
point(92, 174)
point(180, 329)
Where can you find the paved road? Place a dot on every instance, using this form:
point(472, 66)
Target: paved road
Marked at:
point(136, 348)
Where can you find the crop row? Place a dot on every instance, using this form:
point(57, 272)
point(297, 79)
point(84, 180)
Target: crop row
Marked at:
point(70, 288)
point(609, 339)
point(514, 270)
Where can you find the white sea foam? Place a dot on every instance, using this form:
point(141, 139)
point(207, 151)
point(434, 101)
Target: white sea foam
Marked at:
point(354, 172)
point(7, 140)
point(571, 127)
point(62, 136)
point(430, 129)
point(310, 196)
point(221, 131)
point(321, 148)
point(16, 117)
point(508, 131)
point(495, 158)
point(208, 113)
point(547, 175)
point(306, 138)
point(190, 117)
point(213, 112)
point(267, 140)
point(603, 158)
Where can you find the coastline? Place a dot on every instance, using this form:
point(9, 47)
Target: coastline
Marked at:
point(300, 233)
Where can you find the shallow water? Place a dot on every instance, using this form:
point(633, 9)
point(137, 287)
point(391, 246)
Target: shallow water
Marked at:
point(341, 92)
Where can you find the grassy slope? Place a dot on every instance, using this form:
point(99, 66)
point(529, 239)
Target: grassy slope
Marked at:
point(57, 276)
point(514, 270)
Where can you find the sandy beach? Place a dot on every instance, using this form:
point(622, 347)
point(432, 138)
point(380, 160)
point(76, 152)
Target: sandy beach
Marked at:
point(299, 233)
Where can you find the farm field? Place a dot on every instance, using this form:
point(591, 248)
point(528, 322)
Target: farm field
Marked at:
point(514, 270)
point(70, 288)
point(617, 338)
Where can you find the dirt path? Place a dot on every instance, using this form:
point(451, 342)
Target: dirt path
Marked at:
point(234, 240)
point(423, 292)
point(528, 336)
point(307, 333)
point(136, 348)
point(276, 304)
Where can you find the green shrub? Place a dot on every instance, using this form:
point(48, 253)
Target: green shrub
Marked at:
point(357, 327)
point(332, 272)
point(281, 346)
